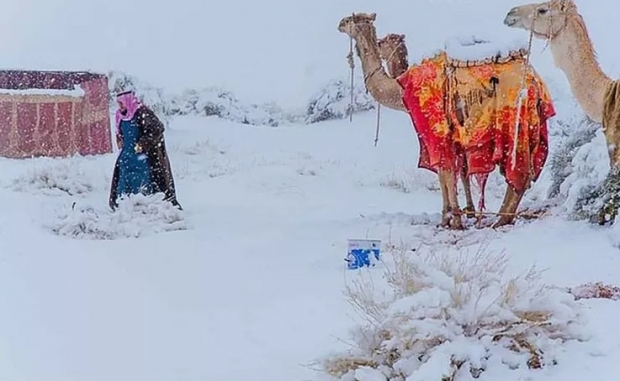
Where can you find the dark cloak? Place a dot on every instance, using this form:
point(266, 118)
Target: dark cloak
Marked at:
point(151, 140)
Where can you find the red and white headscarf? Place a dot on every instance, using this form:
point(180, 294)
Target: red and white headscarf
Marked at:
point(131, 103)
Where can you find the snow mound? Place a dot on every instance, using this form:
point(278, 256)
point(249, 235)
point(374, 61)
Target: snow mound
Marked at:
point(60, 177)
point(202, 159)
point(210, 101)
point(331, 102)
point(472, 48)
point(137, 216)
point(334, 101)
point(454, 317)
point(408, 180)
point(596, 290)
point(219, 102)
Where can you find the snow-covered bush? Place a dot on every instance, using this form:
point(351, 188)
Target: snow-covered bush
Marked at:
point(136, 216)
point(60, 177)
point(580, 171)
point(578, 167)
point(223, 104)
point(330, 103)
point(596, 290)
point(600, 203)
point(564, 161)
point(454, 317)
point(154, 97)
point(333, 101)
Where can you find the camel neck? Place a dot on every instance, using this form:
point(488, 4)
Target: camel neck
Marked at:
point(574, 54)
point(367, 50)
point(385, 90)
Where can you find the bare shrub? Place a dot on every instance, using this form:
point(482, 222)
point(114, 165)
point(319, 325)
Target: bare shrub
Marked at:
point(445, 316)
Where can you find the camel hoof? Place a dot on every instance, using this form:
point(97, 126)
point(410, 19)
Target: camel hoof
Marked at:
point(451, 226)
point(445, 220)
point(456, 222)
point(457, 225)
point(451, 221)
point(469, 211)
point(503, 221)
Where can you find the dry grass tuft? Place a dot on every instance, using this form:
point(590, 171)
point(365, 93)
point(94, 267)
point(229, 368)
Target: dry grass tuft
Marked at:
point(451, 316)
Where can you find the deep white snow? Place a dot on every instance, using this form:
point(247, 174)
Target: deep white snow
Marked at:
point(247, 282)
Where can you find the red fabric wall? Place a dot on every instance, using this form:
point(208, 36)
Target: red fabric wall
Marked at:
point(54, 125)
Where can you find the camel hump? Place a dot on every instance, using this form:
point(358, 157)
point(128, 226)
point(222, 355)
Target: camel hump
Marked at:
point(473, 51)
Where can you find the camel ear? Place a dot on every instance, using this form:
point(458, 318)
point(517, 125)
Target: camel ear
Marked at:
point(373, 16)
point(402, 36)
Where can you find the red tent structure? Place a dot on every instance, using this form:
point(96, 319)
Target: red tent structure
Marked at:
point(45, 113)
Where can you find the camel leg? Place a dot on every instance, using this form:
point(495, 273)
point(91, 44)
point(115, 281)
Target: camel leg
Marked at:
point(445, 209)
point(450, 180)
point(470, 210)
point(482, 182)
point(509, 207)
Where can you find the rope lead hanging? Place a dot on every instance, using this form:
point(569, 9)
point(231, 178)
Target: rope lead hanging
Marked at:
point(378, 123)
point(522, 95)
point(352, 66)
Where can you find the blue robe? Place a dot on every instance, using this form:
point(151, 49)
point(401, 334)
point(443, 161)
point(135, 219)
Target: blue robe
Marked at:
point(130, 173)
point(134, 174)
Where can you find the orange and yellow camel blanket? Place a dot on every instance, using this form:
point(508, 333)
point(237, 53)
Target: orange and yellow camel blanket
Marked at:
point(470, 113)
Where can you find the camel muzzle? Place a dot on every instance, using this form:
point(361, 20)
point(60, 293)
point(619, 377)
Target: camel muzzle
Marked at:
point(343, 28)
point(511, 18)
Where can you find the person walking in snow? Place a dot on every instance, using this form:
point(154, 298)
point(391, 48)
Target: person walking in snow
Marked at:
point(142, 165)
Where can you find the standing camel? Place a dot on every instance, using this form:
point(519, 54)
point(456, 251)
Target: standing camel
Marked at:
point(393, 50)
point(454, 133)
point(560, 23)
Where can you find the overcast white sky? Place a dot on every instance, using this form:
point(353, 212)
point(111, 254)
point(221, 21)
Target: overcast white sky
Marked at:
point(280, 50)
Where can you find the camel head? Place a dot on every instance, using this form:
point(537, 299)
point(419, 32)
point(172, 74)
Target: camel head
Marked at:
point(390, 44)
point(546, 20)
point(353, 25)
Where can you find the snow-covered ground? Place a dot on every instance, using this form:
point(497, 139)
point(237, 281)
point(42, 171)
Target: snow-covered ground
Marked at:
point(247, 282)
